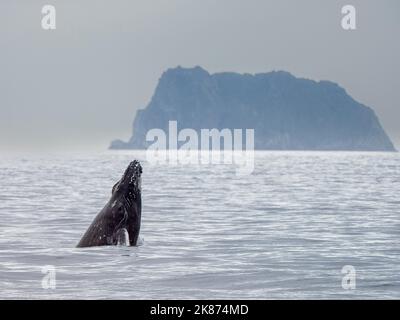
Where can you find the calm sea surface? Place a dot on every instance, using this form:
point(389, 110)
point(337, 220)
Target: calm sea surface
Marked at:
point(286, 231)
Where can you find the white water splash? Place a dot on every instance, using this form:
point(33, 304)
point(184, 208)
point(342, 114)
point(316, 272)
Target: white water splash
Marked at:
point(140, 241)
point(123, 237)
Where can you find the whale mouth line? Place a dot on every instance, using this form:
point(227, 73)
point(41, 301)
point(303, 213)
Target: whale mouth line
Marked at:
point(123, 221)
point(120, 231)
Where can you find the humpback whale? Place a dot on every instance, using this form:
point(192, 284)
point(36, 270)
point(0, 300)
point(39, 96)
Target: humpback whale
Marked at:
point(119, 221)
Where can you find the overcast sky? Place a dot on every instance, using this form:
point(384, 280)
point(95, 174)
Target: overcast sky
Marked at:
point(79, 86)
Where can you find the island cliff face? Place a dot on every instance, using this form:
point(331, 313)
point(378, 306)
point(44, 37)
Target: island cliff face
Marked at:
point(286, 113)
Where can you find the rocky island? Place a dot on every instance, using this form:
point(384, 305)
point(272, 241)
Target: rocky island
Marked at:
point(286, 113)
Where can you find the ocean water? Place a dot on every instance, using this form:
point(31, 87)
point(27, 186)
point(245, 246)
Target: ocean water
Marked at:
point(283, 232)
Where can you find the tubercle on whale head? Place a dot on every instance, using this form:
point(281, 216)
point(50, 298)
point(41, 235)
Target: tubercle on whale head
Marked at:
point(131, 179)
point(132, 175)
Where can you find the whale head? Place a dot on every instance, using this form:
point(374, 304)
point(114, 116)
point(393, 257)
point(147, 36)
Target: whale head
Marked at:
point(126, 206)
